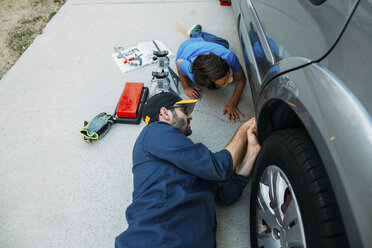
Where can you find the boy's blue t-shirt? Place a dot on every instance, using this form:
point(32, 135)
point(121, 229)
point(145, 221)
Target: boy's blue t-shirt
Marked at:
point(192, 48)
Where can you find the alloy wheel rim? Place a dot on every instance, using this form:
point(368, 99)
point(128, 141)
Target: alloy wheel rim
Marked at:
point(279, 222)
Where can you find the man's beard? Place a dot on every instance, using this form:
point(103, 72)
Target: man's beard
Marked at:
point(182, 124)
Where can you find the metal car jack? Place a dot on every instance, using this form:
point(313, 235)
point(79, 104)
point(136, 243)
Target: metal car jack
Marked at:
point(160, 81)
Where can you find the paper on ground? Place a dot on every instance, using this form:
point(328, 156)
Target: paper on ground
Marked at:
point(144, 48)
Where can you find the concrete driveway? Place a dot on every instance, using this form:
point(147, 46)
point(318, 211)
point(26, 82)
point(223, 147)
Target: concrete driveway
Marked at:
point(56, 190)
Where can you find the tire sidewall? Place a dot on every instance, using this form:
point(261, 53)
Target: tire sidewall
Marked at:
point(277, 151)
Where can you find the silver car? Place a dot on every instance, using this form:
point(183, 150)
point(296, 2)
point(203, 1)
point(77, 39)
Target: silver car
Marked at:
point(309, 68)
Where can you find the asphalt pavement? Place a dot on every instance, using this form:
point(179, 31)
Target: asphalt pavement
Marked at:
point(56, 190)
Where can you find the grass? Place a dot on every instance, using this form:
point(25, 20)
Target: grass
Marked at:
point(50, 16)
point(21, 36)
point(35, 3)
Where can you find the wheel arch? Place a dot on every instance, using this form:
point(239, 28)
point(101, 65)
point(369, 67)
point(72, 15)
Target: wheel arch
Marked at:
point(276, 115)
point(315, 99)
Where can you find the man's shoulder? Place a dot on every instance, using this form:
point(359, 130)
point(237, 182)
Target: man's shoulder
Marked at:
point(158, 126)
point(162, 133)
point(159, 130)
point(152, 134)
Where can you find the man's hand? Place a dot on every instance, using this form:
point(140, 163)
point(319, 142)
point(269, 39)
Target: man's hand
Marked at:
point(232, 112)
point(192, 92)
point(238, 143)
point(246, 167)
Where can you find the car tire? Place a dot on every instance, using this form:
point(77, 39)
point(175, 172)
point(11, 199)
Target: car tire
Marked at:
point(292, 202)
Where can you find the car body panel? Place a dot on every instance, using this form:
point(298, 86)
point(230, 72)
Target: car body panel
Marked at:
point(310, 30)
point(350, 60)
point(320, 71)
point(310, 34)
point(327, 109)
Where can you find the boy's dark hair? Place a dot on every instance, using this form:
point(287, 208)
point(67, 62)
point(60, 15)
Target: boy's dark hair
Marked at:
point(209, 68)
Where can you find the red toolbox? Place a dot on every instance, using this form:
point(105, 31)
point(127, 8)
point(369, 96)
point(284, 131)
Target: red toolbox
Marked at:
point(130, 105)
point(225, 2)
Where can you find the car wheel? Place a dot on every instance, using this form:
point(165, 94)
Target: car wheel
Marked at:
point(292, 203)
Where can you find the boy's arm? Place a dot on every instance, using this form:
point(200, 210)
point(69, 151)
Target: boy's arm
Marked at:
point(231, 108)
point(190, 91)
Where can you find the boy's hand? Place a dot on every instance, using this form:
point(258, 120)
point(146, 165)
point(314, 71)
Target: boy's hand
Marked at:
point(246, 167)
point(192, 92)
point(232, 112)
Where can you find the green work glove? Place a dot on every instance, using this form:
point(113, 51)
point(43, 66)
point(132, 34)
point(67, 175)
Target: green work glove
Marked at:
point(87, 140)
point(96, 128)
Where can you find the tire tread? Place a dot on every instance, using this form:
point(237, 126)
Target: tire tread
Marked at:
point(326, 212)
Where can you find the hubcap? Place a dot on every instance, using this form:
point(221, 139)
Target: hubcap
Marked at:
point(279, 222)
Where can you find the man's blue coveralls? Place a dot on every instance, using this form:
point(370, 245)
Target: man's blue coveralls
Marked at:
point(176, 183)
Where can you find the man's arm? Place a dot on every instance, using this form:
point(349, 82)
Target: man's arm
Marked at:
point(231, 108)
point(168, 143)
point(246, 167)
point(190, 91)
point(238, 144)
point(228, 192)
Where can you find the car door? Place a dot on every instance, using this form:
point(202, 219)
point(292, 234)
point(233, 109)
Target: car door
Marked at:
point(280, 35)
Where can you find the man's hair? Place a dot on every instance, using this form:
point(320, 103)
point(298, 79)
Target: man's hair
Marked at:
point(156, 117)
point(153, 119)
point(209, 68)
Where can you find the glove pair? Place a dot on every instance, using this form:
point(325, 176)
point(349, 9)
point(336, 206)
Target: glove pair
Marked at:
point(97, 127)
